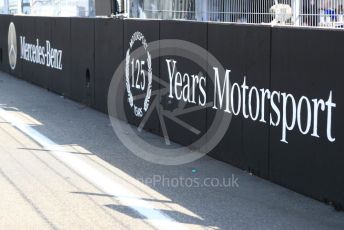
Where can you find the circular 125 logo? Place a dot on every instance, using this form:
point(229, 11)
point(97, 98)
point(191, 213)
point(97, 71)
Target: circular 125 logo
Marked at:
point(138, 74)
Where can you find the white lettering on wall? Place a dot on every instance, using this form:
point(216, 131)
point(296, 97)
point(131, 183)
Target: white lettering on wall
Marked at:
point(288, 112)
point(42, 55)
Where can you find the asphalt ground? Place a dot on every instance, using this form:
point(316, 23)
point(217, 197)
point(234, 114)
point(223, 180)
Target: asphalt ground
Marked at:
point(62, 167)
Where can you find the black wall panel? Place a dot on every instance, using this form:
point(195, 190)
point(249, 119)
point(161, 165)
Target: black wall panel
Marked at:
point(182, 126)
point(4, 24)
point(42, 73)
point(28, 29)
point(150, 31)
point(82, 59)
point(245, 51)
point(309, 63)
point(60, 80)
point(108, 57)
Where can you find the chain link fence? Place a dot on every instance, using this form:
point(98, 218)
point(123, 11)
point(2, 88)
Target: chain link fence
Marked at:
point(313, 13)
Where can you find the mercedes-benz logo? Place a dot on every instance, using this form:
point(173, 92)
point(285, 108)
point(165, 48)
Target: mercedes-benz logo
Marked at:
point(12, 46)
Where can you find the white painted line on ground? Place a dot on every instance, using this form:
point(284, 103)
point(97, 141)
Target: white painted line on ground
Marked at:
point(154, 216)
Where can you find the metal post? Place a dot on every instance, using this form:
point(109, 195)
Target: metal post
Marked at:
point(5, 7)
point(296, 12)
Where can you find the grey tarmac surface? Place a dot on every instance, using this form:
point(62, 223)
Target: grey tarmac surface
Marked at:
point(40, 191)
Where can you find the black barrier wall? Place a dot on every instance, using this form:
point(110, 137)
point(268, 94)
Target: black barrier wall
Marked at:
point(108, 56)
point(183, 128)
point(283, 92)
point(5, 21)
point(308, 63)
point(42, 31)
point(82, 59)
point(28, 28)
point(60, 80)
point(245, 51)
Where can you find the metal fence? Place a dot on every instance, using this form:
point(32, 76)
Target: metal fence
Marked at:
point(80, 8)
point(314, 13)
